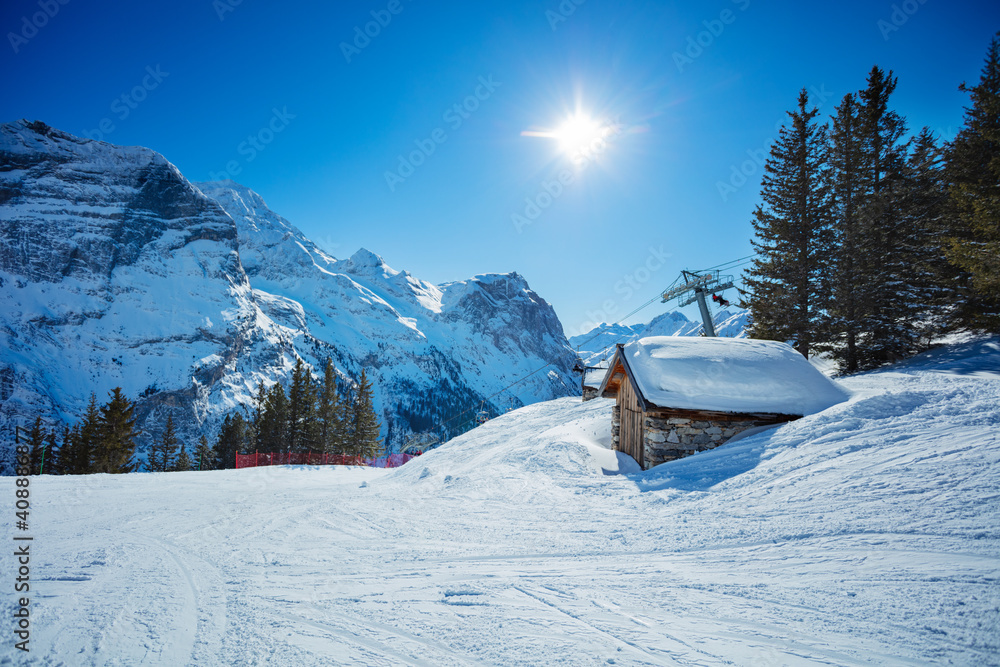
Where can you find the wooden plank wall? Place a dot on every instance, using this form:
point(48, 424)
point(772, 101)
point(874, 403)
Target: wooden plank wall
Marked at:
point(630, 438)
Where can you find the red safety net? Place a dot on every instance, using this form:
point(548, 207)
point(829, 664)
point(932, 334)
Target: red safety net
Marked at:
point(318, 459)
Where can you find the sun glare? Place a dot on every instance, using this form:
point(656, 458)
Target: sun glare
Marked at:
point(578, 134)
point(580, 137)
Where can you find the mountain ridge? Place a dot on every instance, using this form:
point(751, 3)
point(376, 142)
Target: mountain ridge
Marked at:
point(115, 270)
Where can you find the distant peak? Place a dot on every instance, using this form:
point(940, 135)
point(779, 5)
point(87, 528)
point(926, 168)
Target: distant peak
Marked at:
point(366, 263)
point(365, 257)
point(512, 278)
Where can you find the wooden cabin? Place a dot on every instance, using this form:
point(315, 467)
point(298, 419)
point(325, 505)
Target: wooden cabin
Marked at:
point(677, 396)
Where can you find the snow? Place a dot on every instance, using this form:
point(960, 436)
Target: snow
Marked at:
point(867, 533)
point(729, 375)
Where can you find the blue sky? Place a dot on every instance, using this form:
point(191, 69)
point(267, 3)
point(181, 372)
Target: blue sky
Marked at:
point(269, 90)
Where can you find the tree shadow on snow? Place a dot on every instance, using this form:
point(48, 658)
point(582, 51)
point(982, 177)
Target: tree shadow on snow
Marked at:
point(975, 357)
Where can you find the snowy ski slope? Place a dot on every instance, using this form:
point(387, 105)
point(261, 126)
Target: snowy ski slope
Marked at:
point(868, 533)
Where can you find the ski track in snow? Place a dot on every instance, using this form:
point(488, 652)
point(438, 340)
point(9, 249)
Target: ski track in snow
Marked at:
point(866, 534)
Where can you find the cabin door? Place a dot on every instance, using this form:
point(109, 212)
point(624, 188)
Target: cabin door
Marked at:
point(630, 435)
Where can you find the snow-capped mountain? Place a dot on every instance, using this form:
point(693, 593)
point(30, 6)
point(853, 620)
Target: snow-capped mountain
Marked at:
point(600, 341)
point(115, 270)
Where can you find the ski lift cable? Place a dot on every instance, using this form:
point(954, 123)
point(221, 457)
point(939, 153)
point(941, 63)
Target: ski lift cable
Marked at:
point(735, 261)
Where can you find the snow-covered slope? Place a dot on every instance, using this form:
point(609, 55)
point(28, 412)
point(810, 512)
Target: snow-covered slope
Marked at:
point(868, 533)
point(117, 271)
point(599, 343)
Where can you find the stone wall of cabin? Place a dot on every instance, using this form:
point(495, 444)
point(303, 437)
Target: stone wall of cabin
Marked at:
point(666, 439)
point(616, 427)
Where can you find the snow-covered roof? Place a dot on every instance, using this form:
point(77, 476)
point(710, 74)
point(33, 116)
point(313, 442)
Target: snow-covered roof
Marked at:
point(726, 375)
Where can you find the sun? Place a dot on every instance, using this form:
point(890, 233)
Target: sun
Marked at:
point(578, 134)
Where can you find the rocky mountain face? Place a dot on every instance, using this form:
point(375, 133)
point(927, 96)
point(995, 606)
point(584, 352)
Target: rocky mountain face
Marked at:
point(117, 271)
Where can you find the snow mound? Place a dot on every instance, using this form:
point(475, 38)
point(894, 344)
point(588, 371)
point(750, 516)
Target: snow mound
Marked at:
point(730, 375)
point(562, 440)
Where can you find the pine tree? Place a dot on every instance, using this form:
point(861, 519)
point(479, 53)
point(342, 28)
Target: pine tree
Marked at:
point(204, 456)
point(169, 444)
point(876, 298)
point(366, 427)
point(36, 441)
point(788, 286)
point(303, 433)
point(116, 437)
point(86, 436)
point(232, 440)
point(841, 329)
point(296, 404)
point(163, 452)
point(974, 188)
point(257, 418)
point(933, 283)
point(50, 454)
point(887, 302)
point(71, 452)
point(61, 459)
point(183, 462)
point(330, 413)
point(274, 421)
point(347, 422)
